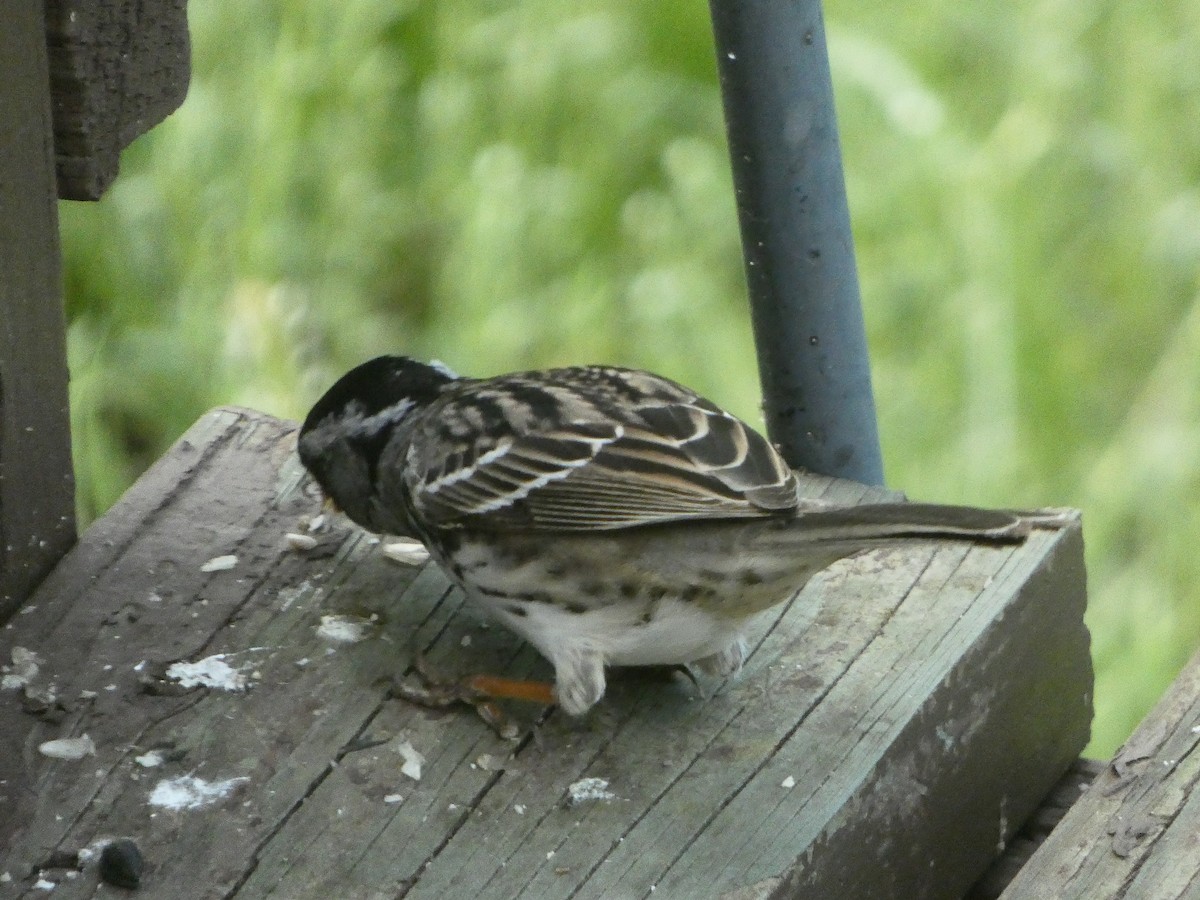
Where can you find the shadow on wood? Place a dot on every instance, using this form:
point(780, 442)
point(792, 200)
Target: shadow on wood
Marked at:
point(896, 723)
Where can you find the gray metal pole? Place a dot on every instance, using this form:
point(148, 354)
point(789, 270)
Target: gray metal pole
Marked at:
point(791, 199)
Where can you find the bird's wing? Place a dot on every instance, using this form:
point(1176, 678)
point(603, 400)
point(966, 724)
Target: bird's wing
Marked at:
point(591, 449)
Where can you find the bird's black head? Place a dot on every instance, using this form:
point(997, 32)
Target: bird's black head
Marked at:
point(376, 386)
point(348, 429)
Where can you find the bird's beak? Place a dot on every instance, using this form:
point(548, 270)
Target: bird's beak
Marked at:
point(329, 506)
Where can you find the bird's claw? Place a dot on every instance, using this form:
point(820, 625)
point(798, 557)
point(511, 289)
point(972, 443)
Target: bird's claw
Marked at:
point(437, 692)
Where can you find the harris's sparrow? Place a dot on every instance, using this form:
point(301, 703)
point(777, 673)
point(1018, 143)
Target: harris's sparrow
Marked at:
point(608, 516)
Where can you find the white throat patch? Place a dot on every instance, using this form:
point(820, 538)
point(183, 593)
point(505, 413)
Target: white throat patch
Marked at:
point(372, 425)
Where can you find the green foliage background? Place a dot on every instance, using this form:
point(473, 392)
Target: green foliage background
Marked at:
point(506, 185)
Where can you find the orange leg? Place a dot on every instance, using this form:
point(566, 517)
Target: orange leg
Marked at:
point(498, 688)
point(477, 691)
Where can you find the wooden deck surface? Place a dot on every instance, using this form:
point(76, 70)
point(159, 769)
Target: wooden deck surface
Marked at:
point(1136, 832)
point(895, 725)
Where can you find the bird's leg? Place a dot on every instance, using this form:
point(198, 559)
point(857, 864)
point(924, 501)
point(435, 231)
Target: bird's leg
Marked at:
point(725, 663)
point(578, 679)
point(498, 688)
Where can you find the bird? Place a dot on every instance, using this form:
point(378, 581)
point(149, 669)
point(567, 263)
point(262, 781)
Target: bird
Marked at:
point(609, 516)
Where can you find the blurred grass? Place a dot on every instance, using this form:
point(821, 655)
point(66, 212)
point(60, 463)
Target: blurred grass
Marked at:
point(502, 186)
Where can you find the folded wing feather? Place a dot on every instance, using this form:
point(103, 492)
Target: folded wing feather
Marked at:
point(665, 462)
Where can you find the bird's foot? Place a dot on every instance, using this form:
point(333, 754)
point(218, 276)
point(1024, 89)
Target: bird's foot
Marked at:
point(477, 691)
point(725, 663)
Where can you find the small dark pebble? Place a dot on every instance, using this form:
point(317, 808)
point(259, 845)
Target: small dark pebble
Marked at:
point(121, 864)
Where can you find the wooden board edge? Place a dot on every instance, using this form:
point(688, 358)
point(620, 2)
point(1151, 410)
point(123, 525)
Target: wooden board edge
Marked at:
point(1015, 755)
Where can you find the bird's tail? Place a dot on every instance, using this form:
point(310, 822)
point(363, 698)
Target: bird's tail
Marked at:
point(753, 564)
point(885, 522)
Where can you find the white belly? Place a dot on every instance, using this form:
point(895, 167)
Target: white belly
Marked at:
point(622, 634)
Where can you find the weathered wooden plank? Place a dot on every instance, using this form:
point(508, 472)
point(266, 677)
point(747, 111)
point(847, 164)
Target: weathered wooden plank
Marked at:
point(1136, 831)
point(37, 490)
point(117, 69)
point(130, 592)
point(903, 696)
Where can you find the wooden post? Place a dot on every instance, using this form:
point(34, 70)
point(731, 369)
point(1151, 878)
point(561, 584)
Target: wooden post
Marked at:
point(117, 69)
point(79, 80)
point(37, 492)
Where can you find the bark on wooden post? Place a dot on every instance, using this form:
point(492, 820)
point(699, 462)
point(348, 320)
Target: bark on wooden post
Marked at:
point(37, 496)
